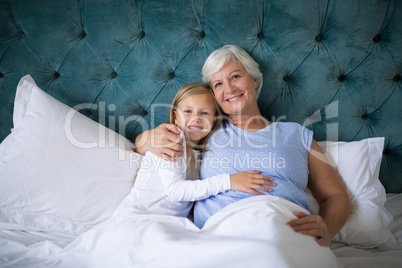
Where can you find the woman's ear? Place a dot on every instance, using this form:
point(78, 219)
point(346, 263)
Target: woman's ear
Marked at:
point(256, 83)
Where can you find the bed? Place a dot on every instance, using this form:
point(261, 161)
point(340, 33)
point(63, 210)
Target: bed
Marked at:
point(79, 80)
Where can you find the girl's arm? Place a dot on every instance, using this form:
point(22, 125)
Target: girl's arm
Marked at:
point(173, 177)
point(180, 189)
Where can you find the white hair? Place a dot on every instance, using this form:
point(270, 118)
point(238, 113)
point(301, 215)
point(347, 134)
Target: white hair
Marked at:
point(218, 58)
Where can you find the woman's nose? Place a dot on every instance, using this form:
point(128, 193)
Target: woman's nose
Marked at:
point(229, 87)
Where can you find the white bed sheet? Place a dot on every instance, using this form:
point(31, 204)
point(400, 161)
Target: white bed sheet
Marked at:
point(30, 248)
point(19, 248)
point(354, 257)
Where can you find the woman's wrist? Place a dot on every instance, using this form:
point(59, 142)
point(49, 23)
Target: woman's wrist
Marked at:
point(141, 142)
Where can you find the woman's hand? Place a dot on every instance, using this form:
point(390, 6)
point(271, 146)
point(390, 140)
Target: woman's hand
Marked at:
point(250, 181)
point(163, 141)
point(312, 225)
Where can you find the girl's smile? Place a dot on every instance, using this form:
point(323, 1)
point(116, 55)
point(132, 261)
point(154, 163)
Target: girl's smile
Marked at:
point(195, 116)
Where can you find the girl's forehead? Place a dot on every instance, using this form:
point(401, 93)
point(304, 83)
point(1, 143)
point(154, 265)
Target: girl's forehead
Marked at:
point(199, 99)
point(197, 95)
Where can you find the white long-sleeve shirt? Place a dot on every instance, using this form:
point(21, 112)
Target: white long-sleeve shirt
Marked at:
point(161, 187)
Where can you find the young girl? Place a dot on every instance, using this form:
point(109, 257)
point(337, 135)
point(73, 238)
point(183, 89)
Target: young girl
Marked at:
point(161, 186)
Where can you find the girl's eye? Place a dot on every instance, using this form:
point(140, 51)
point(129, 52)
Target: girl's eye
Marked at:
point(205, 113)
point(187, 111)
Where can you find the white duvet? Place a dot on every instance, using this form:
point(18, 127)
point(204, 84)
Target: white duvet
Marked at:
point(249, 233)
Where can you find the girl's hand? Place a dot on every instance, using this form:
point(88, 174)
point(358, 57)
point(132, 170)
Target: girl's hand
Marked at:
point(250, 181)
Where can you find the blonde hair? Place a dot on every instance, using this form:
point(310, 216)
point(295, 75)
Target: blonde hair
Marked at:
point(184, 92)
point(219, 57)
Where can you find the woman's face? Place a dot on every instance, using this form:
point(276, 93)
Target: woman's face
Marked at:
point(195, 115)
point(234, 89)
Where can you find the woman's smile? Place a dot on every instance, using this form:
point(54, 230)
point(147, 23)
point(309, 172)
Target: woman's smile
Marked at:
point(233, 99)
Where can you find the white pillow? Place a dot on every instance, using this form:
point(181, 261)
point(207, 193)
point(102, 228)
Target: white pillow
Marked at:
point(358, 163)
point(60, 171)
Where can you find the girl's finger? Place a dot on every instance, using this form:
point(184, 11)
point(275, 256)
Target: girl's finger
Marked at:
point(262, 188)
point(253, 172)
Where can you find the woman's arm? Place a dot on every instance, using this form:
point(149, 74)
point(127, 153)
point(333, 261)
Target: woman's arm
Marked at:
point(330, 191)
point(163, 141)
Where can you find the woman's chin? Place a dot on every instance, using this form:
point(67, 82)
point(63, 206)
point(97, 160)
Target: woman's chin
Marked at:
point(233, 108)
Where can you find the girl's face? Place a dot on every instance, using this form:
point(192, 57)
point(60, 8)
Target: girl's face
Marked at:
point(195, 115)
point(234, 89)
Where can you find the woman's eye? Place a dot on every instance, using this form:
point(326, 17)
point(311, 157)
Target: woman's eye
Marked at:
point(235, 76)
point(217, 85)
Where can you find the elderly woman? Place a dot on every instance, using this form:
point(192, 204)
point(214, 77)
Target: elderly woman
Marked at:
point(246, 140)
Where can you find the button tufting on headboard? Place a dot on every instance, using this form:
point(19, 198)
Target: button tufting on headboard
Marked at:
point(88, 112)
point(201, 35)
point(141, 34)
point(377, 38)
point(83, 34)
point(342, 77)
point(171, 75)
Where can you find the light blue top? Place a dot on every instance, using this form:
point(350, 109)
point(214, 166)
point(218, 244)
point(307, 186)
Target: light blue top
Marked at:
point(279, 151)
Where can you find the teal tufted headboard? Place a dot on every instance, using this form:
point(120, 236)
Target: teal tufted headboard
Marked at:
point(334, 66)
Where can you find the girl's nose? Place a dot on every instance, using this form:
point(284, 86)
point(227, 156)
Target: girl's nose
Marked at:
point(196, 118)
